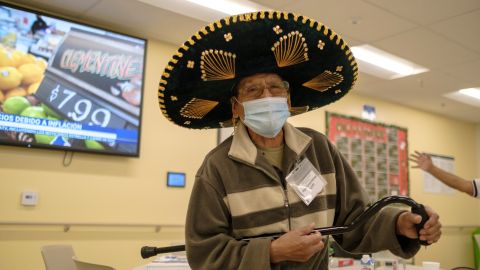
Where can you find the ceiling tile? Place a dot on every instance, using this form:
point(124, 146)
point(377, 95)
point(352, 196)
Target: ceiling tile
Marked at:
point(426, 48)
point(357, 19)
point(410, 93)
point(445, 106)
point(153, 23)
point(469, 72)
point(427, 11)
point(275, 4)
point(463, 29)
point(431, 83)
point(364, 81)
point(351, 41)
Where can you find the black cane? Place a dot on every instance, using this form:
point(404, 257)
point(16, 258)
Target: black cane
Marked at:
point(417, 208)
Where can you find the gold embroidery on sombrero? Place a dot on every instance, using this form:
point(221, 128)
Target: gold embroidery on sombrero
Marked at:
point(166, 74)
point(173, 98)
point(354, 69)
point(245, 17)
point(324, 81)
point(321, 44)
point(184, 47)
point(350, 56)
point(339, 68)
point(191, 42)
point(291, 49)
point(333, 35)
point(197, 108)
point(277, 29)
point(217, 65)
point(211, 27)
point(190, 64)
point(227, 37)
point(161, 101)
point(338, 91)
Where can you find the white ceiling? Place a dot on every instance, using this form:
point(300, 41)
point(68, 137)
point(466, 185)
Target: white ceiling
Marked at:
point(442, 35)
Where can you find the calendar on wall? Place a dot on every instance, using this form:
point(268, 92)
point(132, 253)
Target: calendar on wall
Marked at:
point(377, 152)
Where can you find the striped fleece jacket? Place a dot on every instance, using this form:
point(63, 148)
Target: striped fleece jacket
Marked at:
point(238, 194)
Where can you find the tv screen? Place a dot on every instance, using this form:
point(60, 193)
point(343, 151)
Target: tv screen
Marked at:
point(70, 86)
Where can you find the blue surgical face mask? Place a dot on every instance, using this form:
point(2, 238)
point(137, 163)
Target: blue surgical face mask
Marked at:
point(266, 116)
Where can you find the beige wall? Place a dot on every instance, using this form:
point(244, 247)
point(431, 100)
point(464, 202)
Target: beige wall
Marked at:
point(107, 189)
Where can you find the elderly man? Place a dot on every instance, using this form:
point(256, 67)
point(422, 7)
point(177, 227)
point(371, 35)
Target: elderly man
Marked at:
point(252, 71)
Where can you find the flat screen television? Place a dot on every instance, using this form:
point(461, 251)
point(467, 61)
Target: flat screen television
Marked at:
point(67, 85)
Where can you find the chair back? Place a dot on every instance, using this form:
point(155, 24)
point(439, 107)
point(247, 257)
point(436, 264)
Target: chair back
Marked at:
point(58, 257)
point(83, 265)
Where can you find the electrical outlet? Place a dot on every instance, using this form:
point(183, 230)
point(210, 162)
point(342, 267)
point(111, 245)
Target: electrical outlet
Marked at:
point(29, 198)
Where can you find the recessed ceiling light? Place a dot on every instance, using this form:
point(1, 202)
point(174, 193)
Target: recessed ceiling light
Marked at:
point(227, 6)
point(471, 92)
point(383, 64)
point(469, 96)
point(206, 10)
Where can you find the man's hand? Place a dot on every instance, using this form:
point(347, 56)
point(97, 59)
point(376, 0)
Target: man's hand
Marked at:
point(422, 160)
point(297, 245)
point(430, 232)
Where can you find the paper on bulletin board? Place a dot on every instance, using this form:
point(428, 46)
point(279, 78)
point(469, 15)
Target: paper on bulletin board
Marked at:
point(432, 184)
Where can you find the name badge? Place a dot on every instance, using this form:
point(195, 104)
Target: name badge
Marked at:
point(306, 181)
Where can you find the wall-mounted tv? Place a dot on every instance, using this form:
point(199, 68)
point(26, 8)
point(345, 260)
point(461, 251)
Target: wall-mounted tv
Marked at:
point(69, 86)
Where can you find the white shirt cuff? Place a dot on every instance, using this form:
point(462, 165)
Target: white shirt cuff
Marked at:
point(476, 188)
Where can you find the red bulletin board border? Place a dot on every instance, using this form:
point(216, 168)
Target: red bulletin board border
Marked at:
point(377, 152)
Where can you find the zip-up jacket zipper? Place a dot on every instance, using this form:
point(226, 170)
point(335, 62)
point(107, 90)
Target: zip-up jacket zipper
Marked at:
point(286, 202)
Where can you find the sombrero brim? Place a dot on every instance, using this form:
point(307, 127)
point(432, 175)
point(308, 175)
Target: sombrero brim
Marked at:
point(196, 86)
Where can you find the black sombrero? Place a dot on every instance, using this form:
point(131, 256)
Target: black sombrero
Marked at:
point(196, 86)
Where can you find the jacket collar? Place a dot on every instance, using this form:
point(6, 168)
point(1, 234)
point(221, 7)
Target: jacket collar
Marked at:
point(244, 149)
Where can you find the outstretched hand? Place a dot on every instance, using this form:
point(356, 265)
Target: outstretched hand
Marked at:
point(422, 161)
point(430, 232)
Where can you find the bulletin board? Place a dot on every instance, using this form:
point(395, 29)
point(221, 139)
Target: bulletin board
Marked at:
point(377, 152)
